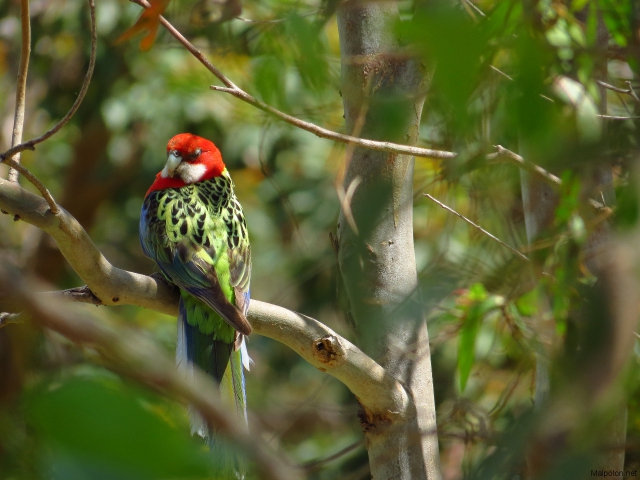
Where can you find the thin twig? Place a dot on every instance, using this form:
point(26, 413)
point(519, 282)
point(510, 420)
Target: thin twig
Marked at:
point(505, 396)
point(315, 464)
point(475, 7)
point(36, 183)
point(628, 91)
point(345, 197)
point(632, 92)
point(30, 145)
point(530, 167)
point(495, 69)
point(189, 46)
point(493, 237)
point(21, 87)
point(275, 20)
point(389, 147)
point(613, 88)
point(616, 117)
point(548, 177)
point(237, 92)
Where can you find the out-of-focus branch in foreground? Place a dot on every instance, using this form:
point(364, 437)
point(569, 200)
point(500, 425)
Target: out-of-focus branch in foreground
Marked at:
point(134, 355)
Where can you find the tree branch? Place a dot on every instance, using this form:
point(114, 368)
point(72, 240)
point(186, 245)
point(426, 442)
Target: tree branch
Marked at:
point(515, 159)
point(504, 154)
point(21, 87)
point(108, 285)
point(111, 285)
point(30, 145)
point(237, 92)
point(17, 167)
point(375, 389)
point(628, 91)
point(388, 147)
point(321, 132)
point(478, 227)
point(135, 355)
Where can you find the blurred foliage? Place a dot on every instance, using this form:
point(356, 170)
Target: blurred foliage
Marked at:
point(519, 74)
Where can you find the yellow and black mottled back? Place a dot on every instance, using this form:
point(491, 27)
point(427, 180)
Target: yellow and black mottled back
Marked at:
point(204, 215)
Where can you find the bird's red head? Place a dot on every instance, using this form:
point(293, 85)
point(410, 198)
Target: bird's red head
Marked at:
point(190, 159)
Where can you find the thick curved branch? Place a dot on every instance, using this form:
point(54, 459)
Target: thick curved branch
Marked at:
point(108, 285)
point(30, 144)
point(113, 286)
point(134, 355)
point(375, 389)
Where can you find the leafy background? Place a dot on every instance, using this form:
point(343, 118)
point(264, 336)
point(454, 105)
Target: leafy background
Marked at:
point(63, 416)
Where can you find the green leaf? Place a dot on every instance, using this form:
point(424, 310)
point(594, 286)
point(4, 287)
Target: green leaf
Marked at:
point(627, 211)
point(616, 15)
point(104, 429)
point(467, 344)
point(558, 35)
point(527, 304)
point(477, 292)
point(577, 5)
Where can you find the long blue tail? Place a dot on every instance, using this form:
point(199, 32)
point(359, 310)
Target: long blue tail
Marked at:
point(224, 363)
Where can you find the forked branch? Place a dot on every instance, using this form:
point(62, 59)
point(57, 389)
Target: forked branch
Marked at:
point(109, 285)
point(30, 144)
point(237, 92)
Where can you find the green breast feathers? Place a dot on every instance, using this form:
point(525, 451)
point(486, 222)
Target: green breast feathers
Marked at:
point(193, 231)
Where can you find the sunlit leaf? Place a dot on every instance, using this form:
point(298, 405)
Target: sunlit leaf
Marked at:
point(148, 22)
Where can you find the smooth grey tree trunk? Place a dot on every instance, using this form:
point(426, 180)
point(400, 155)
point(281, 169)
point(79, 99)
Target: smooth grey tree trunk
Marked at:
point(383, 95)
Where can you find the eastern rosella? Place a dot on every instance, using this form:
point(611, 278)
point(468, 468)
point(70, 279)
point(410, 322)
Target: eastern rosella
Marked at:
point(193, 226)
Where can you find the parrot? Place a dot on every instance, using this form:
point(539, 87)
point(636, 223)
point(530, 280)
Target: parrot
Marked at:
point(193, 227)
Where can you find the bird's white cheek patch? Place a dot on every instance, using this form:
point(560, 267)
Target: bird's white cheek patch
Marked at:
point(192, 173)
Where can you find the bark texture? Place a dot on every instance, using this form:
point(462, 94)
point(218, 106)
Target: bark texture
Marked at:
point(383, 95)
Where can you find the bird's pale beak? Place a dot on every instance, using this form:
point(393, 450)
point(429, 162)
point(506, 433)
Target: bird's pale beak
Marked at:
point(173, 160)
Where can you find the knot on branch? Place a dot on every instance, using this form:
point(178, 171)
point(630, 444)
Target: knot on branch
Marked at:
point(370, 421)
point(79, 294)
point(329, 351)
point(7, 318)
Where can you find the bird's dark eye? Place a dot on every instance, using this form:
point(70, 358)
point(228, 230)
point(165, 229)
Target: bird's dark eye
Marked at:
point(196, 153)
point(175, 153)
